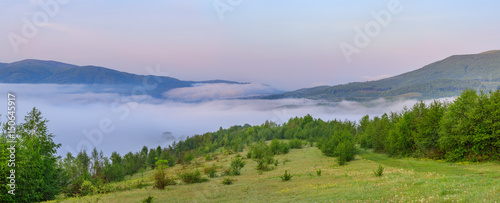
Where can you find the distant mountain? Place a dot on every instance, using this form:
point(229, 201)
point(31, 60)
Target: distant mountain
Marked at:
point(96, 79)
point(444, 78)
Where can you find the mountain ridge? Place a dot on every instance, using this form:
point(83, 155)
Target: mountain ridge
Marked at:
point(444, 78)
point(33, 71)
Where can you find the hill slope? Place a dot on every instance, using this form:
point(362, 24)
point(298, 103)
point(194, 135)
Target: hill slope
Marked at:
point(447, 77)
point(403, 180)
point(99, 79)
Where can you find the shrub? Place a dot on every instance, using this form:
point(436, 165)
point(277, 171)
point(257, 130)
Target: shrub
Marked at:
point(236, 165)
point(87, 188)
point(192, 177)
point(275, 146)
point(318, 172)
point(208, 157)
point(249, 155)
point(261, 154)
point(210, 171)
point(188, 157)
point(262, 165)
point(276, 162)
point(379, 172)
point(227, 181)
point(226, 171)
point(161, 179)
point(148, 199)
point(286, 176)
point(345, 152)
point(295, 144)
point(284, 148)
point(140, 184)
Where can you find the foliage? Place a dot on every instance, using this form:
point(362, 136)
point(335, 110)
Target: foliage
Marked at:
point(160, 176)
point(38, 177)
point(192, 177)
point(286, 176)
point(236, 165)
point(466, 129)
point(210, 171)
point(295, 144)
point(148, 199)
point(340, 145)
point(227, 181)
point(379, 171)
point(262, 154)
point(318, 172)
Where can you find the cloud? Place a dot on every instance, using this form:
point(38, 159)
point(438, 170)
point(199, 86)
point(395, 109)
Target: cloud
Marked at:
point(202, 92)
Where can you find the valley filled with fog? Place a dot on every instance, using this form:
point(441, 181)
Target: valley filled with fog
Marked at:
point(81, 119)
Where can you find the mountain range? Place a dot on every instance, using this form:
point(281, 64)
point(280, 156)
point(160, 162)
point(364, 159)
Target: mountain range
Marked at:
point(95, 78)
point(444, 78)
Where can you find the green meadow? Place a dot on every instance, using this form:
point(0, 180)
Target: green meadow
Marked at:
point(403, 180)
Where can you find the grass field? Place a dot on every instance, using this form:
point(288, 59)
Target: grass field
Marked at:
point(404, 180)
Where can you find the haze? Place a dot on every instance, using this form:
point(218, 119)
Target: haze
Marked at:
point(74, 115)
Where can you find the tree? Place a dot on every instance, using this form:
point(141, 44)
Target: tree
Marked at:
point(115, 171)
point(151, 158)
point(36, 162)
point(457, 126)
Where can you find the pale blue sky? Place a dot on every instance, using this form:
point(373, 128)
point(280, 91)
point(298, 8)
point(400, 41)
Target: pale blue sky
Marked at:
point(288, 44)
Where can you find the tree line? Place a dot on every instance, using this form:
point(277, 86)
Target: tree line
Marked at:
point(467, 129)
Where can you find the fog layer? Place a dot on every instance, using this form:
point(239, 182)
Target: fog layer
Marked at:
point(82, 120)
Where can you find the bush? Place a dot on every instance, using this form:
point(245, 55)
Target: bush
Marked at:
point(87, 188)
point(379, 172)
point(226, 171)
point(192, 177)
point(286, 176)
point(345, 152)
point(161, 179)
point(188, 157)
point(227, 181)
point(148, 199)
point(275, 146)
point(295, 144)
point(236, 165)
point(318, 172)
point(262, 165)
point(261, 154)
point(249, 155)
point(210, 171)
point(284, 148)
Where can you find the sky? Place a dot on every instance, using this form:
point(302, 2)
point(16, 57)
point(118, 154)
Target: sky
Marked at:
point(288, 44)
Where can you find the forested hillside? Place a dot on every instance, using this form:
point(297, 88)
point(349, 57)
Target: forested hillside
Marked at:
point(445, 78)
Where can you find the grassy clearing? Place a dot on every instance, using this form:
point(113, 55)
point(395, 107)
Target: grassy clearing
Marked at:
point(403, 180)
